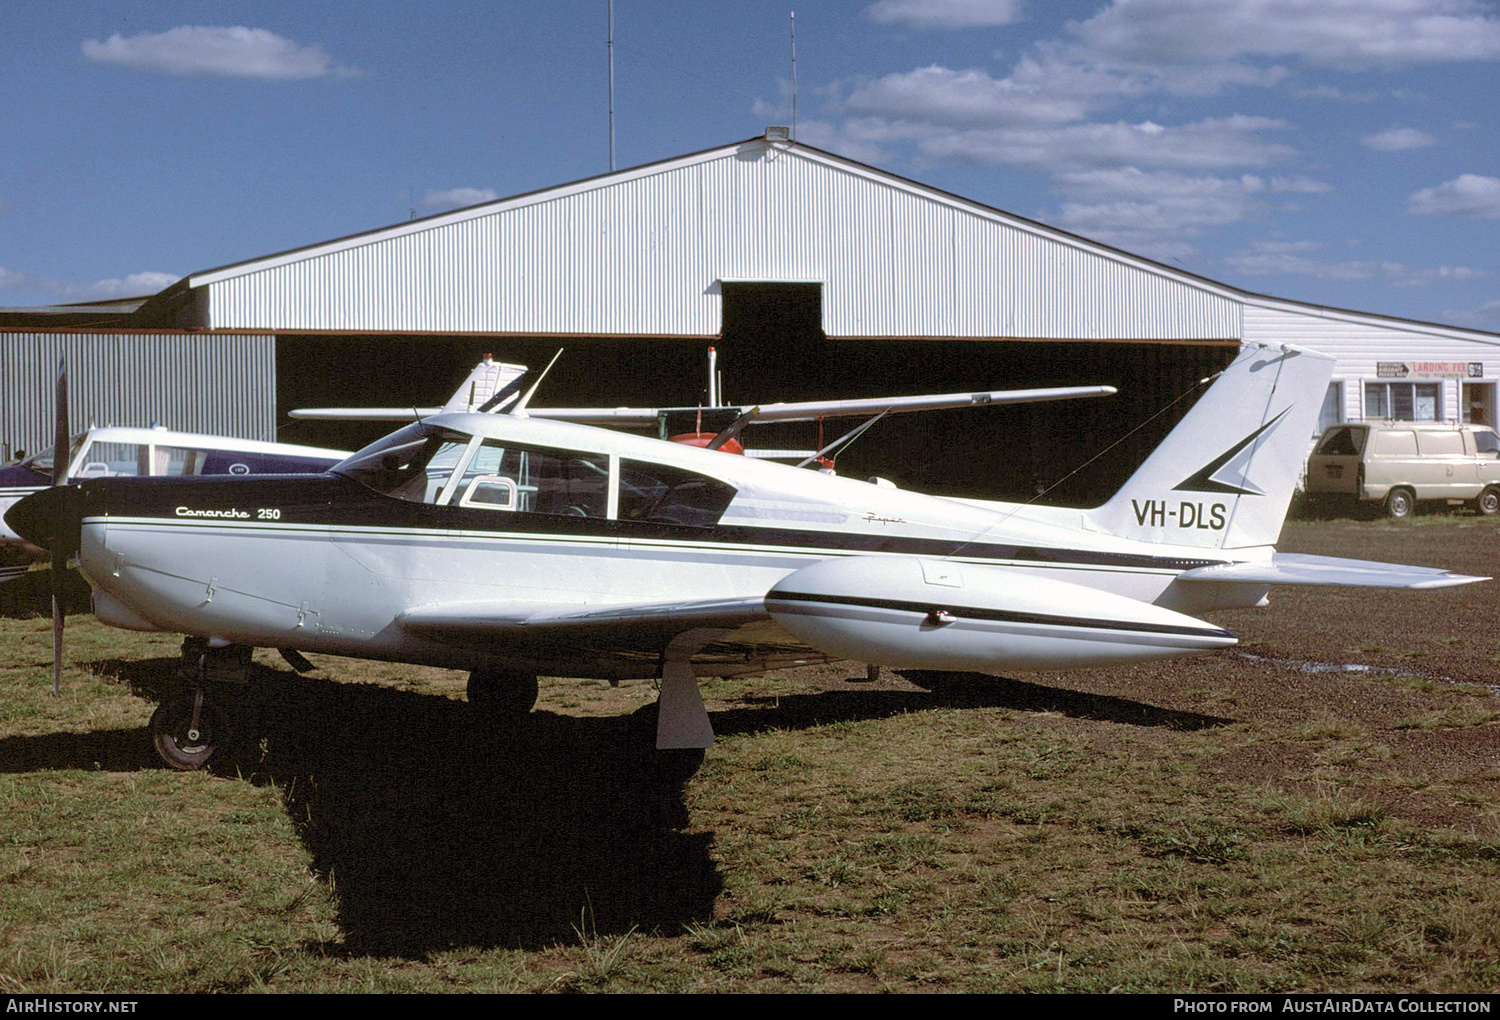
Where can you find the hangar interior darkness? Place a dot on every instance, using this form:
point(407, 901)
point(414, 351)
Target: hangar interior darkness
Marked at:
point(772, 348)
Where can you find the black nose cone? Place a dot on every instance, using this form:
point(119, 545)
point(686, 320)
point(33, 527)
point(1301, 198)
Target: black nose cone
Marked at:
point(47, 516)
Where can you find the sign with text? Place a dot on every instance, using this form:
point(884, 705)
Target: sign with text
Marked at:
point(1429, 369)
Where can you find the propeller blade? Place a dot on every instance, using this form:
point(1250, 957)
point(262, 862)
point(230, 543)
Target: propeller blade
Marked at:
point(57, 642)
point(61, 437)
point(59, 544)
point(734, 429)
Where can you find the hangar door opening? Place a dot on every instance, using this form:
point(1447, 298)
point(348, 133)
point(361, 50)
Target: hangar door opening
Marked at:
point(772, 345)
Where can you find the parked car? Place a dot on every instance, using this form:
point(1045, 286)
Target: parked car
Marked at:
point(1396, 465)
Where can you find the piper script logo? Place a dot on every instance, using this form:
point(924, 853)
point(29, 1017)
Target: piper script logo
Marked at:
point(1227, 473)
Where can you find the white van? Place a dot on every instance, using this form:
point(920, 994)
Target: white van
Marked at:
point(1399, 463)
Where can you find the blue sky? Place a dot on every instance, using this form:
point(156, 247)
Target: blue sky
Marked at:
point(1342, 152)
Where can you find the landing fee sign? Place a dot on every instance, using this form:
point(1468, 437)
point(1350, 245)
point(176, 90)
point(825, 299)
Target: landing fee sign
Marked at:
point(1429, 369)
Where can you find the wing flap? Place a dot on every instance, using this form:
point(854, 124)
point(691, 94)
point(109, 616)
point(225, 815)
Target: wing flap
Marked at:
point(1295, 568)
point(633, 623)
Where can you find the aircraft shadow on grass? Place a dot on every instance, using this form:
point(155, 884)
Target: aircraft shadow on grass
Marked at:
point(950, 690)
point(437, 829)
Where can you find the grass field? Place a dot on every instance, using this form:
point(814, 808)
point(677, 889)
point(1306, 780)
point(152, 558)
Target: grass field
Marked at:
point(1219, 825)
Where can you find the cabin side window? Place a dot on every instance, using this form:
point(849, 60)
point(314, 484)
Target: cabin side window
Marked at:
point(112, 460)
point(528, 479)
point(660, 494)
point(178, 460)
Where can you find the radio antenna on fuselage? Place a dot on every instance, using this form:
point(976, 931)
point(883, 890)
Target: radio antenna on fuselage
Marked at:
point(520, 408)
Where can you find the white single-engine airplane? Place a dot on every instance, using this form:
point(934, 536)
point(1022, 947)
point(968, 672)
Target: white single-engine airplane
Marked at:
point(512, 546)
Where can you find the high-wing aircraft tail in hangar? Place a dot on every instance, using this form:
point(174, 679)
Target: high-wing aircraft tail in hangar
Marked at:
point(512, 546)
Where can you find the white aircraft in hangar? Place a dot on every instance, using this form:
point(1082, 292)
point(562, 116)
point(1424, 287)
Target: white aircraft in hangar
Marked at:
point(511, 546)
point(498, 386)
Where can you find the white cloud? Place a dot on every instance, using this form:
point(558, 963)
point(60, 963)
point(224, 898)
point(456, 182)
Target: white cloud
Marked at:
point(1300, 185)
point(1283, 258)
point(1154, 178)
point(1153, 213)
point(1397, 140)
point(455, 197)
point(230, 52)
point(851, 138)
point(1469, 195)
point(945, 13)
point(1401, 276)
point(11, 280)
point(939, 96)
point(134, 285)
point(1213, 144)
point(1486, 316)
point(1345, 34)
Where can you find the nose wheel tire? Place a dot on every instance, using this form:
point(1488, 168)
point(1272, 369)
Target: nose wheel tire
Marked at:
point(188, 730)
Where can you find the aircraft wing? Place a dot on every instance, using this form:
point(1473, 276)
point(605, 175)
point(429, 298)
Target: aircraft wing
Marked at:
point(467, 621)
point(404, 414)
point(807, 410)
point(812, 410)
point(1295, 568)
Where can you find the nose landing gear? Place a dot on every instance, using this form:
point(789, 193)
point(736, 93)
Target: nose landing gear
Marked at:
point(190, 726)
point(188, 730)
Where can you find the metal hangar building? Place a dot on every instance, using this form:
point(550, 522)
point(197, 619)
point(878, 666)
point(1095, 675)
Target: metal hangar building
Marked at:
point(814, 275)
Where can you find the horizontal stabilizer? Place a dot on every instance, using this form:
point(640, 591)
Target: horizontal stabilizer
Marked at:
point(1294, 568)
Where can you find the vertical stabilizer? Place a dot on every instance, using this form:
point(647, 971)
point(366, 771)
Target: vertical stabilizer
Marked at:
point(1223, 478)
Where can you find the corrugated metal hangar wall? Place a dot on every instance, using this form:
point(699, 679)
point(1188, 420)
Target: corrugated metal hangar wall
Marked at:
point(220, 385)
point(648, 252)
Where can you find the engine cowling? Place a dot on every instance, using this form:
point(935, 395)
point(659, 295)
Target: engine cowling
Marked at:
point(939, 614)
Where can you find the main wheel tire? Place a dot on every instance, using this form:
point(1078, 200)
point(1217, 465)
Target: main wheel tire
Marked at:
point(1488, 503)
point(502, 692)
point(1400, 504)
point(178, 744)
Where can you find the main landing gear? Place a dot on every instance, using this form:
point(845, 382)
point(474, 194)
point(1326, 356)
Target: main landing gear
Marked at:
point(501, 693)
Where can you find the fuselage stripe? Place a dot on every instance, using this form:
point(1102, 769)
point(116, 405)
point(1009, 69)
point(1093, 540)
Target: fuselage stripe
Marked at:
point(771, 541)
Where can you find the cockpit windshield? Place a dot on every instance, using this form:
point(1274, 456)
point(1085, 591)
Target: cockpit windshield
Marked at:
point(42, 462)
point(412, 464)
